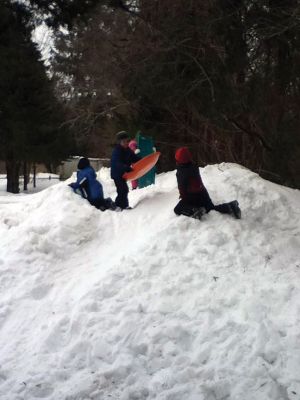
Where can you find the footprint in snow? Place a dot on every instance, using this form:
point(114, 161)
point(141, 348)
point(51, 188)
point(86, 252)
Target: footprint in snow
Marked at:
point(40, 292)
point(41, 390)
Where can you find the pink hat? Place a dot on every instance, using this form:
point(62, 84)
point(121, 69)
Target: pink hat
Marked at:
point(133, 145)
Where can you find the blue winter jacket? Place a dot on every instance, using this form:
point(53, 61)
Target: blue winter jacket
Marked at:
point(87, 183)
point(121, 160)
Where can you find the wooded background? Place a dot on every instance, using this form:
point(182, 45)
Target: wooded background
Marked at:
point(221, 77)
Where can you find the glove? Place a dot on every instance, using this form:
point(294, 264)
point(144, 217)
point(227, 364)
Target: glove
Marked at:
point(137, 151)
point(154, 149)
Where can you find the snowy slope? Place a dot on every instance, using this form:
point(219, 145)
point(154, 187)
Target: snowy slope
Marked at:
point(146, 305)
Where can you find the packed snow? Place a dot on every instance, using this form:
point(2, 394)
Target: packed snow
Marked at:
point(142, 304)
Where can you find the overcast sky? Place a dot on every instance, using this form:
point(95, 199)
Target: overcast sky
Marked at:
point(43, 36)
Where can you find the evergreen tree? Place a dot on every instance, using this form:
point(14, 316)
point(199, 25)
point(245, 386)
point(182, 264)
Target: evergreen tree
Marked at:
point(30, 116)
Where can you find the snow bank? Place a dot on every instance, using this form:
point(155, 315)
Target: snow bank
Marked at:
point(146, 305)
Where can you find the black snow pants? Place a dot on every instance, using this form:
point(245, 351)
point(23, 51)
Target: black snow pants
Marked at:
point(103, 204)
point(122, 191)
point(190, 205)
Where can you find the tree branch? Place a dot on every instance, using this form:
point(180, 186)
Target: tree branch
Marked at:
point(248, 132)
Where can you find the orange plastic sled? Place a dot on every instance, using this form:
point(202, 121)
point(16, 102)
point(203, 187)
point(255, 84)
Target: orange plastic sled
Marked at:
point(141, 167)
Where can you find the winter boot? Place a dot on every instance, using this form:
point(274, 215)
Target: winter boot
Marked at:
point(111, 205)
point(235, 209)
point(198, 212)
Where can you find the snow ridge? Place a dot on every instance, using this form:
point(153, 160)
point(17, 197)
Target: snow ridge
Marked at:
point(146, 305)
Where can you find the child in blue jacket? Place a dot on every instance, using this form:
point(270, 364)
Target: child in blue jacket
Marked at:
point(121, 159)
point(88, 186)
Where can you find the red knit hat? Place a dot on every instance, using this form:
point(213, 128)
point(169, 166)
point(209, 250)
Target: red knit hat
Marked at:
point(183, 155)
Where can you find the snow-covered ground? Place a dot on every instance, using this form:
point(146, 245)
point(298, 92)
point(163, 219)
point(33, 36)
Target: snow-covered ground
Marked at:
point(43, 181)
point(146, 305)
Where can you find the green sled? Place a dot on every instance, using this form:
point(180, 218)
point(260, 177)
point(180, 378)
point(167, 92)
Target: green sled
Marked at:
point(145, 144)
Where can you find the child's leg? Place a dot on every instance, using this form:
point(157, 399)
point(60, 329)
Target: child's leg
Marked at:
point(189, 210)
point(229, 208)
point(122, 191)
point(109, 204)
point(99, 203)
point(183, 208)
point(104, 204)
point(223, 208)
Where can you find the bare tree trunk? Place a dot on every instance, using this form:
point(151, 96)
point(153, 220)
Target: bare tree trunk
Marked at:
point(34, 175)
point(12, 171)
point(25, 175)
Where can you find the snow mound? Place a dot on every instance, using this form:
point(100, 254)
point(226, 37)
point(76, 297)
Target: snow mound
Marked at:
point(146, 305)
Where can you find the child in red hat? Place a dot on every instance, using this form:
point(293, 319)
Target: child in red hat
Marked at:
point(195, 200)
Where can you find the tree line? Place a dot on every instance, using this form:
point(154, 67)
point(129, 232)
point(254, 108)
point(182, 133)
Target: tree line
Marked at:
point(221, 77)
point(31, 116)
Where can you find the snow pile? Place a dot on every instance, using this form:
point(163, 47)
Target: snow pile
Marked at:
point(146, 305)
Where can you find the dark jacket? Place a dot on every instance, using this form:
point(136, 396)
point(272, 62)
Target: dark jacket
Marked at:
point(189, 182)
point(88, 185)
point(121, 160)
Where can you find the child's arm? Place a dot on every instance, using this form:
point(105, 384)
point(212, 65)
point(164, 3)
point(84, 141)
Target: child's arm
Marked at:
point(116, 160)
point(81, 183)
